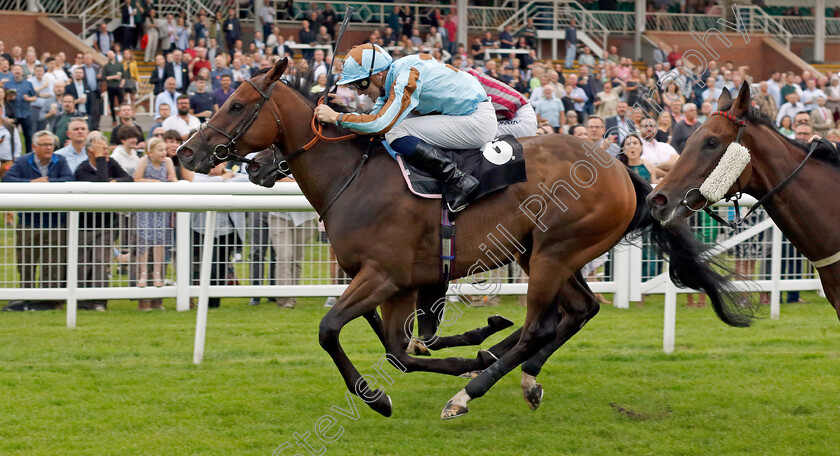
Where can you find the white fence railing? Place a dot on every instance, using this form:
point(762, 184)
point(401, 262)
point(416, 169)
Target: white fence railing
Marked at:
point(632, 270)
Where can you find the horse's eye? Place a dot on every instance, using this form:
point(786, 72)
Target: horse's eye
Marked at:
point(236, 107)
point(711, 143)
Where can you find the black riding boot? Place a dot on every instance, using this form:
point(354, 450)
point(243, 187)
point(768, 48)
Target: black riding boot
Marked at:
point(458, 184)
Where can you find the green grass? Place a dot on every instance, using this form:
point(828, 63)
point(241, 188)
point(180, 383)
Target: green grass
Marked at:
point(122, 383)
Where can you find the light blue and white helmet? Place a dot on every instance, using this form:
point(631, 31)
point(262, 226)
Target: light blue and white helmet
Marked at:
point(363, 61)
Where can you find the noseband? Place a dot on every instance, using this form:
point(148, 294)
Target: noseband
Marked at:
point(227, 152)
point(736, 197)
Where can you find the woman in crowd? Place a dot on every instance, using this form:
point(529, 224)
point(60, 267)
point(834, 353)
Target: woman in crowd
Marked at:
point(173, 142)
point(663, 134)
point(152, 35)
point(132, 75)
point(607, 101)
point(786, 127)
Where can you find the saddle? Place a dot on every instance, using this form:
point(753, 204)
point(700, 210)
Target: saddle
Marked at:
point(496, 165)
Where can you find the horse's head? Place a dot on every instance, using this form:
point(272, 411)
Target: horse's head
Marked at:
point(247, 122)
point(713, 164)
point(267, 167)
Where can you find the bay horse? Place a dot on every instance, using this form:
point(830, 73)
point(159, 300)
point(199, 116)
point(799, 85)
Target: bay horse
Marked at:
point(805, 207)
point(387, 240)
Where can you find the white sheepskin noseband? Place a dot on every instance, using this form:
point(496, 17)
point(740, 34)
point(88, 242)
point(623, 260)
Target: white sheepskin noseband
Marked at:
point(730, 166)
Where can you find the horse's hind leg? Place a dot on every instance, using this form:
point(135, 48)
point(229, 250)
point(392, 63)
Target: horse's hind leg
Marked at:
point(547, 277)
point(578, 305)
point(398, 310)
point(430, 307)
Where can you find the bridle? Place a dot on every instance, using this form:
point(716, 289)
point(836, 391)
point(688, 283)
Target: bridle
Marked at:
point(737, 195)
point(227, 152)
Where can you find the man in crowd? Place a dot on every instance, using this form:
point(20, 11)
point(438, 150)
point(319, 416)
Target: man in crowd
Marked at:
point(232, 29)
point(179, 70)
point(81, 92)
point(168, 96)
point(549, 108)
point(202, 102)
point(158, 76)
point(127, 123)
point(821, 118)
point(791, 108)
point(685, 127)
point(764, 100)
point(221, 70)
point(163, 113)
point(224, 92)
point(62, 123)
point(183, 122)
point(96, 238)
point(41, 237)
point(51, 108)
point(75, 153)
point(659, 153)
point(200, 61)
point(114, 78)
point(617, 123)
point(596, 129)
point(22, 104)
point(571, 42)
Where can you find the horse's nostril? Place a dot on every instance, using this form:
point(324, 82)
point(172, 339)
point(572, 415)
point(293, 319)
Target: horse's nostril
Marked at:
point(186, 152)
point(659, 200)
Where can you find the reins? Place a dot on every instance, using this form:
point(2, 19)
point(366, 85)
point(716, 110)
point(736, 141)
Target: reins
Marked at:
point(736, 197)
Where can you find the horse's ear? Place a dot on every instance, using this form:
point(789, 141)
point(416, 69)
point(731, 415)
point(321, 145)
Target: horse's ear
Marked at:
point(742, 101)
point(725, 98)
point(279, 68)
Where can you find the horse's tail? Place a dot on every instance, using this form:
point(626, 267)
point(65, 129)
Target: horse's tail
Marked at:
point(687, 266)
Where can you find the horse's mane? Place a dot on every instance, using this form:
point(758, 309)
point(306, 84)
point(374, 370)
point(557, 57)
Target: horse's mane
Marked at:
point(761, 118)
point(301, 83)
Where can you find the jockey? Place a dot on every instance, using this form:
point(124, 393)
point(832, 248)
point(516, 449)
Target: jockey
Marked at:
point(421, 106)
point(515, 115)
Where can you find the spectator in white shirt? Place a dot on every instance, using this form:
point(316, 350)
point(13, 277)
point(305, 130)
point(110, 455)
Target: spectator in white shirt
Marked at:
point(659, 153)
point(791, 108)
point(168, 96)
point(811, 94)
point(183, 122)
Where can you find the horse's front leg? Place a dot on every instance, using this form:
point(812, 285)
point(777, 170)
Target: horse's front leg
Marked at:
point(366, 292)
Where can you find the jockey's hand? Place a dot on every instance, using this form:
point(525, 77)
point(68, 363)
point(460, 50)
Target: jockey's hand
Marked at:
point(325, 114)
point(336, 100)
point(813, 138)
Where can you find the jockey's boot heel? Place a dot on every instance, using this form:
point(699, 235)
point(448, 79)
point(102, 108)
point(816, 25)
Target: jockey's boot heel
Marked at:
point(459, 186)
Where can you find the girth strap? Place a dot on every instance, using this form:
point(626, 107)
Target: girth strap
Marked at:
point(447, 243)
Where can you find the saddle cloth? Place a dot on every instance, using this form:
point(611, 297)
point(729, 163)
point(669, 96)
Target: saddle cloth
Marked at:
point(496, 165)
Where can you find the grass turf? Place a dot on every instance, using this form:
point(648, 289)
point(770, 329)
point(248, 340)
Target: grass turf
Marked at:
point(122, 383)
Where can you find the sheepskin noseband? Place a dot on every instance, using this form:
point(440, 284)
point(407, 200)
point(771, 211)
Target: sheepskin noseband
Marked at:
point(730, 166)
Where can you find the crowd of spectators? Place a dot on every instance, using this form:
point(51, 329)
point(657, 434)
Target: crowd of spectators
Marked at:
point(56, 105)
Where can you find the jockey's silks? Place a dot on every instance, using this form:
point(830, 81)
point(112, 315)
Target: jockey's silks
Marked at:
point(421, 84)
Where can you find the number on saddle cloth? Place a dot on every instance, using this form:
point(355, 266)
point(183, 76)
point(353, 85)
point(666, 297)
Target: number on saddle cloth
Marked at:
point(496, 165)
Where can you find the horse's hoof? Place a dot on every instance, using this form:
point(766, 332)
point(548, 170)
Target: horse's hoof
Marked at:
point(452, 411)
point(487, 359)
point(382, 405)
point(499, 322)
point(417, 348)
point(471, 374)
point(533, 396)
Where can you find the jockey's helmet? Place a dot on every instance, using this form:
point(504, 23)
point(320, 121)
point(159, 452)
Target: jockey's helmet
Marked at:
point(361, 63)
